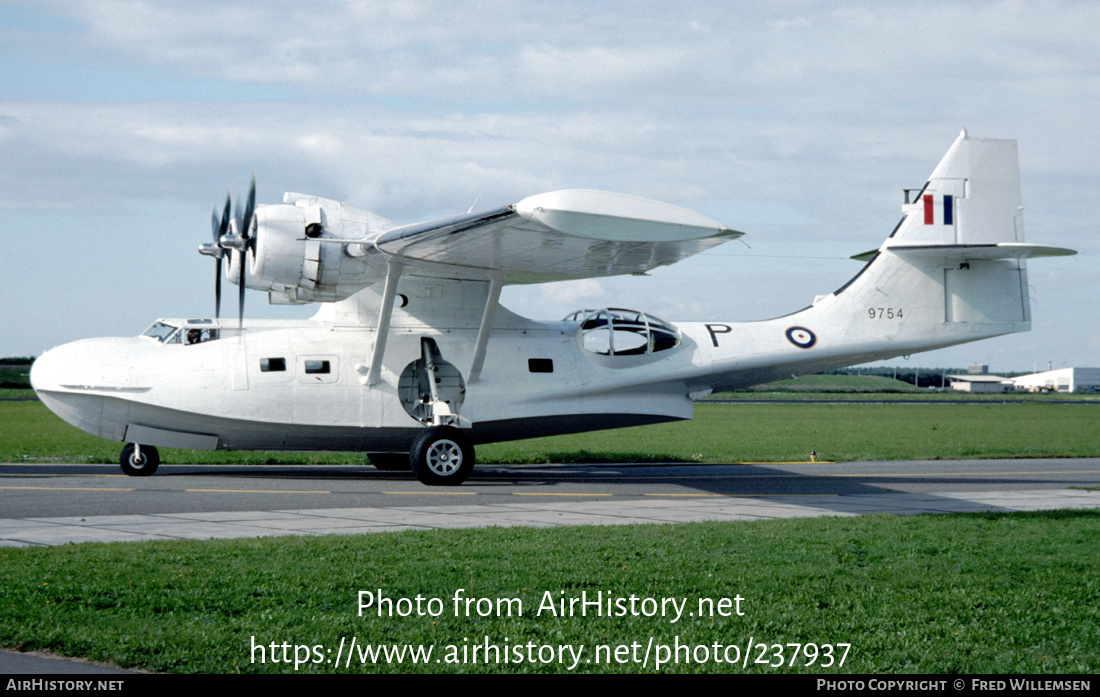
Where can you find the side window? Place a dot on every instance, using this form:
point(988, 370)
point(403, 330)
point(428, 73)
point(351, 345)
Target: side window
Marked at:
point(273, 365)
point(317, 369)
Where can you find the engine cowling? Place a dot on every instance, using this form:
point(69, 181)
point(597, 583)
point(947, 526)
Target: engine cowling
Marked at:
point(291, 258)
point(283, 256)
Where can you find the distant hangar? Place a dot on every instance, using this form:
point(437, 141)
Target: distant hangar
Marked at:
point(1061, 380)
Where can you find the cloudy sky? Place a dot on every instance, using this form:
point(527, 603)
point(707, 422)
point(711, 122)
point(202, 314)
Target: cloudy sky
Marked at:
point(122, 122)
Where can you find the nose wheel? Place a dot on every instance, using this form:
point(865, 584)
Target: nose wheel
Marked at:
point(139, 460)
point(442, 456)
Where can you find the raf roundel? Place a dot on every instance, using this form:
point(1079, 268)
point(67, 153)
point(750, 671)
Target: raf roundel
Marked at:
point(801, 337)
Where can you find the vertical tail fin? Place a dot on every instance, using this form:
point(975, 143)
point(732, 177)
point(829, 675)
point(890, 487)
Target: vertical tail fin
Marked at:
point(954, 268)
point(972, 197)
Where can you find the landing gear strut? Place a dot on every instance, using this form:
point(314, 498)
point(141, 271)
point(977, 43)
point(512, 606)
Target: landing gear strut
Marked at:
point(432, 391)
point(139, 460)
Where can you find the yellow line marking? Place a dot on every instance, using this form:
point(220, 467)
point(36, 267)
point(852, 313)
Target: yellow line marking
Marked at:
point(779, 496)
point(65, 488)
point(254, 491)
point(956, 474)
point(720, 496)
point(553, 493)
point(433, 493)
point(788, 462)
point(736, 496)
point(36, 475)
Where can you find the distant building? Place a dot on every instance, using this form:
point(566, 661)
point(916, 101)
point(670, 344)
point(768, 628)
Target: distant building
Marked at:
point(980, 383)
point(1062, 380)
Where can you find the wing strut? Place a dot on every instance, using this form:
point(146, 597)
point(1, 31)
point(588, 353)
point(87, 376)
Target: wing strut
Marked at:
point(496, 282)
point(385, 313)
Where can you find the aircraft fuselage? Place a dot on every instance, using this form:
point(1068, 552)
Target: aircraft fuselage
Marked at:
point(303, 386)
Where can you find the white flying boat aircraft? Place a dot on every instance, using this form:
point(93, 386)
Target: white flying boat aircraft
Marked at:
point(411, 360)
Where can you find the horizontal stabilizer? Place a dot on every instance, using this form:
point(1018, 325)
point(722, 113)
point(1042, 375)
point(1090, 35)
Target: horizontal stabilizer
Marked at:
point(963, 252)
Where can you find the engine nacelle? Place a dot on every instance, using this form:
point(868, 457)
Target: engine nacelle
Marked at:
point(291, 259)
point(284, 256)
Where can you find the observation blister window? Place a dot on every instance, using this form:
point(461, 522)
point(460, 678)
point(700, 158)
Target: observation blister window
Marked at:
point(614, 331)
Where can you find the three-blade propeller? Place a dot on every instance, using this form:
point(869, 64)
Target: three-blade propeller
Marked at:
point(242, 241)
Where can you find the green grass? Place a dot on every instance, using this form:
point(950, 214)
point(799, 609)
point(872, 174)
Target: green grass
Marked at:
point(875, 387)
point(841, 432)
point(719, 433)
point(981, 593)
point(878, 387)
point(945, 396)
point(836, 383)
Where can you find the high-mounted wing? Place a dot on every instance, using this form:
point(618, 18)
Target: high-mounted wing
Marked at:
point(311, 249)
point(558, 236)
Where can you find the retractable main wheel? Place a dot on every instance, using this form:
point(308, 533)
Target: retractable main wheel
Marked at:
point(442, 456)
point(141, 463)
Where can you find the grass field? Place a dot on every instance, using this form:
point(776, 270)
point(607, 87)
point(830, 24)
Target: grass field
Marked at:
point(883, 388)
point(836, 383)
point(974, 593)
point(719, 433)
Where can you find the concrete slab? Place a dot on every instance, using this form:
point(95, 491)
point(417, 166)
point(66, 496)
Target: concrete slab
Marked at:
point(19, 532)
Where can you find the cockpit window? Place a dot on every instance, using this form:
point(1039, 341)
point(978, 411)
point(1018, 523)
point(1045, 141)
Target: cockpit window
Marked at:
point(198, 336)
point(164, 333)
point(614, 331)
point(167, 333)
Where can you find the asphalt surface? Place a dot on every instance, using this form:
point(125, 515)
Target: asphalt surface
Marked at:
point(49, 504)
point(52, 504)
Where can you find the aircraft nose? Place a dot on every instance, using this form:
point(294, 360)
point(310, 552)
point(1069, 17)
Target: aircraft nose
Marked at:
point(61, 367)
point(50, 373)
point(81, 365)
point(81, 382)
point(44, 371)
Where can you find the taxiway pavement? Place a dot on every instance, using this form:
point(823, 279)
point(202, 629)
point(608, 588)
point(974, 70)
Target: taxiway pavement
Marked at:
point(58, 504)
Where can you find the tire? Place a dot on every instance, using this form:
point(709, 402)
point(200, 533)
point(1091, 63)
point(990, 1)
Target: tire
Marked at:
point(389, 462)
point(442, 456)
point(139, 467)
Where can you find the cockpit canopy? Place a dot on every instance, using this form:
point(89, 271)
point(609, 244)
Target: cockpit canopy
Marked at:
point(614, 331)
point(187, 332)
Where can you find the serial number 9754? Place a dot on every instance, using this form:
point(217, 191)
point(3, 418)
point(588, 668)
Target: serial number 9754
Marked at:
point(885, 312)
